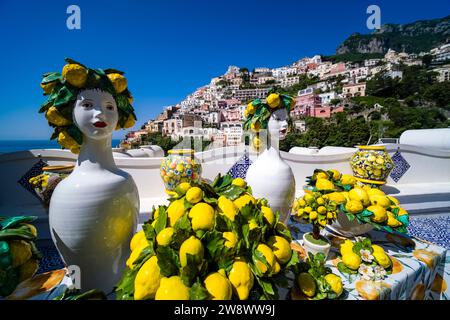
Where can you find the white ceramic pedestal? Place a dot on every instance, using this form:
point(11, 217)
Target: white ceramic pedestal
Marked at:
point(93, 215)
point(271, 177)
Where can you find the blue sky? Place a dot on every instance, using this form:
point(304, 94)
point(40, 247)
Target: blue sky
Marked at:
point(168, 48)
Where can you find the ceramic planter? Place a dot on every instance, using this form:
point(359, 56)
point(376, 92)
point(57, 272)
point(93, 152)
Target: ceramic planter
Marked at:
point(314, 248)
point(371, 165)
point(180, 166)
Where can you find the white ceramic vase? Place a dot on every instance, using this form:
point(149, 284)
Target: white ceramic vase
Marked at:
point(270, 177)
point(94, 211)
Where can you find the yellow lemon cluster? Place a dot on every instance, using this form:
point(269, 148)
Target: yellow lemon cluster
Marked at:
point(318, 209)
point(179, 253)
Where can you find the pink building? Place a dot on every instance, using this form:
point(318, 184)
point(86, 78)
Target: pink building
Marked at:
point(230, 115)
point(325, 111)
point(305, 101)
point(309, 104)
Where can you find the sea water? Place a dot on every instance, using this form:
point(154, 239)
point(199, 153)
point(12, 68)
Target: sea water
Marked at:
point(21, 145)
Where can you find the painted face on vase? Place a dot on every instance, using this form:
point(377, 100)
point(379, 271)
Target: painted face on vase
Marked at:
point(278, 124)
point(95, 113)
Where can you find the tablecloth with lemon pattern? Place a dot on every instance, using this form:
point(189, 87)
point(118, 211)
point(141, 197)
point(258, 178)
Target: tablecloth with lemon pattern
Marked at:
point(421, 270)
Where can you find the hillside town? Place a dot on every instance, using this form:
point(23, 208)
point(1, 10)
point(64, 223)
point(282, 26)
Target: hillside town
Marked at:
point(215, 112)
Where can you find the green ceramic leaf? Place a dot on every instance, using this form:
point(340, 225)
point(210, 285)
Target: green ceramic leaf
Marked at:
point(64, 96)
point(111, 70)
point(68, 60)
point(76, 134)
point(198, 292)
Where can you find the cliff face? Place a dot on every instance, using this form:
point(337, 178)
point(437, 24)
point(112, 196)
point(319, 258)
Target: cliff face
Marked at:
point(419, 36)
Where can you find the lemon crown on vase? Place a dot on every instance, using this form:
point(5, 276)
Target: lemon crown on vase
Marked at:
point(258, 113)
point(62, 90)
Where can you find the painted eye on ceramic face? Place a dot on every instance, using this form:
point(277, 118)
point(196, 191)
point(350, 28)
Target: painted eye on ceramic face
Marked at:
point(87, 105)
point(109, 107)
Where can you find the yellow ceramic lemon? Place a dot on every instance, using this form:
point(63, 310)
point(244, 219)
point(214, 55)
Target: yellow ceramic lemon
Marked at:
point(75, 74)
point(354, 206)
point(280, 248)
point(307, 284)
point(336, 174)
point(392, 221)
point(250, 108)
point(346, 247)
point(48, 87)
point(192, 246)
point(137, 239)
point(67, 142)
point(20, 252)
point(268, 255)
point(227, 207)
point(335, 283)
point(394, 200)
point(360, 195)
point(194, 195)
point(165, 236)
point(175, 211)
point(268, 215)
point(202, 216)
point(55, 117)
point(324, 184)
point(241, 278)
point(244, 200)
point(273, 100)
point(375, 191)
point(347, 179)
point(337, 197)
point(147, 280)
point(380, 200)
point(257, 143)
point(379, 213)
point(351, 260)
point(130, 122)
point(239, 182)
point(218, 286)
point(172, 288)
point(182, 188)
point(231, 239)
point(255, 127)
point(119, 81)
point(136, 253)
point(381, 257)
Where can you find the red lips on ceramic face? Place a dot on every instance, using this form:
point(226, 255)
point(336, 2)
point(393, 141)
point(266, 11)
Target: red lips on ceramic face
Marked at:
point(100, 124)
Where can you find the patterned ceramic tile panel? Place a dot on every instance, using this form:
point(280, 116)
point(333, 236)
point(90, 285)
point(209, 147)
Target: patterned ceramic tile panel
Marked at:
point(35, 170)
point(239, 169)
point(435, 230)
point(400, 166)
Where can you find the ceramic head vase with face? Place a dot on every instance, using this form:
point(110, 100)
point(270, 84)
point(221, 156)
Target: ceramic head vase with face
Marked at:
point(93, 212)
point(86, 103)
point(269, 176)
point(272, 116)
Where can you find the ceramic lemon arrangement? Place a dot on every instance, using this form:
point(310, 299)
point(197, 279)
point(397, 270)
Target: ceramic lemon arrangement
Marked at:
point(319, 210)
point(214, 241)
point(368, 261)
point(315, 281)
